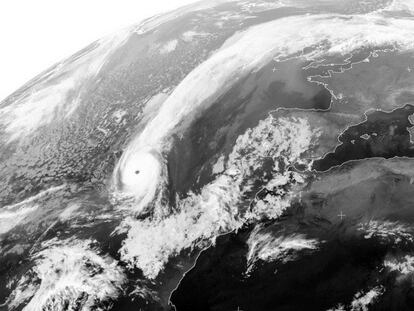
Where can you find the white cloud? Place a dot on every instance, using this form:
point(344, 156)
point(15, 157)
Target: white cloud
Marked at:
point(47, 31)
point(363, 300)
point(10, 218)
point(20, 213)
point(267, 247)
point(404, 265)
point(68, 275)
point(60, 92)
point(70, 211)
point(249, 50)
point(200, 218)
point(400, 5)
point(339, 307)
point(387, 231)
point(191, 34)
point(169, 46)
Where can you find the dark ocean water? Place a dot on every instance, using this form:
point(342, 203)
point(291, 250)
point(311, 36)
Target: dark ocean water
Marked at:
point(344, 265)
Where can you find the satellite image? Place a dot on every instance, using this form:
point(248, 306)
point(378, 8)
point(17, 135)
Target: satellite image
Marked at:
point(231, 155)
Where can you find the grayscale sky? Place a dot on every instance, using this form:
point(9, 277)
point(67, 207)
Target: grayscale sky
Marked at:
point(36, 34)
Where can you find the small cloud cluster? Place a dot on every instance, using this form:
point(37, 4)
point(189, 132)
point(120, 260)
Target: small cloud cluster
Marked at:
point(361, 300)
point(387, 231)
point(267, 247)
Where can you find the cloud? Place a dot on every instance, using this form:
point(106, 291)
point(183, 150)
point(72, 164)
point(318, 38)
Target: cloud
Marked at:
point(363, 300)
point(387, 231)
point(22, 212)
point(267, 247)
point(68, 275)
point(404, 266)
point(407, 6)
point(57, 92)
point(309, 36)
point(199, 218)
